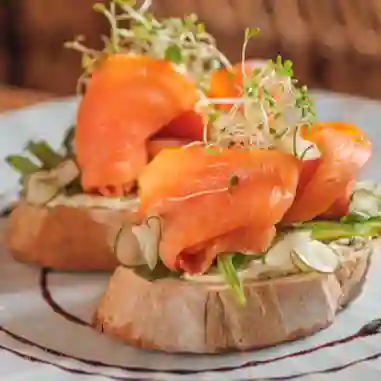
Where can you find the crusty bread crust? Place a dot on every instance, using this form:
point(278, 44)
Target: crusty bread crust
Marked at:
point(65, 237)
point(174, 315)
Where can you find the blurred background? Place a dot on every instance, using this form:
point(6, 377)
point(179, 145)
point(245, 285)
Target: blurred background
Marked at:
point(334, 44)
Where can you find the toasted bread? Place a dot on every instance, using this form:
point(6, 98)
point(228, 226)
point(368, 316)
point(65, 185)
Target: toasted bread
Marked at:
point(77, 235)
point(176, 315)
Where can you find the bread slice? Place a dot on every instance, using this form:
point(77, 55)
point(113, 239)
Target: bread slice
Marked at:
point(67, 234)
point(175, 315)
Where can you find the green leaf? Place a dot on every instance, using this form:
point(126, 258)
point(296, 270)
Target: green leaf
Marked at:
point(131, 3)
point(174, 23)
point(241, 260)
point(251, 32)
point(22, 164)
point(213, 150)
point(200, 28)
point(173, 53)
point(227, 270)
point(99, 7)
point(284, 68)
point(288, 64)
point(190, 20)
point(44, 153)
point(354, 217)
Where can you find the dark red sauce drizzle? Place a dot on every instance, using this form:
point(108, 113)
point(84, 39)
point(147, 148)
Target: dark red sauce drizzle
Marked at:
point(61, 367)
point(47, 296)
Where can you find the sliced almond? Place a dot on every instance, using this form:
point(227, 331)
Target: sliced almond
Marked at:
point(148, 236)
point(139, 245)
point(365, 202)
point(315, 256)
point(127, 248)
point(279, 256)
point(41, 187)
point(66, 172)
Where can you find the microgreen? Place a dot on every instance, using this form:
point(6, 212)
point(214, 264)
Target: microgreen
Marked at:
point(226, 268)
point(304, 153)
point(182, 41)
point(99, 7)
point(173, 53)
point(22, 164)
point(213, 150)
point(251, 32)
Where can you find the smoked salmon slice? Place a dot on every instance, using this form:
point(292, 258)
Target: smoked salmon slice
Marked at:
point(177, 175)
point(344, 151)
point(116, 179)
point(154, 146)
point(188, 126)
point(201, 196)
point(247, 240)
point(340, 207)
point(228, 83)
point(128, 99)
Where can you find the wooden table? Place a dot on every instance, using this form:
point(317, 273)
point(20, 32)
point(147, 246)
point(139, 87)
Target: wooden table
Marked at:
point(13, 98)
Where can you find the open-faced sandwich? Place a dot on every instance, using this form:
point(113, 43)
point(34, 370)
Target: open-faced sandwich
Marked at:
point(235, 215)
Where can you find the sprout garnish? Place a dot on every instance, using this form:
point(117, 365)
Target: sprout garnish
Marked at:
point(182, 41)
point(271, 107)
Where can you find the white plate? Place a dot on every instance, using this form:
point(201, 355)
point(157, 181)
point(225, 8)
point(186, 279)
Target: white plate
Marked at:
point(41, 342)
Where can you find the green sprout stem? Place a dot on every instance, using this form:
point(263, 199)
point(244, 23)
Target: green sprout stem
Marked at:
point(332, 230)
point(44, 153)
point(227, 270)
point(22, 164)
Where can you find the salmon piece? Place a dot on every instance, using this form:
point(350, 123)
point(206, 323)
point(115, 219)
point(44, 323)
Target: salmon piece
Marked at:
point(340, 207)
point(178, 175)
point(117, 179)
point(228, 83)
point(308, 170)
point(154, 146)
point(128, 99)
point(187, 126)
point(248, 239)
point(194, 193)
point(344, 151)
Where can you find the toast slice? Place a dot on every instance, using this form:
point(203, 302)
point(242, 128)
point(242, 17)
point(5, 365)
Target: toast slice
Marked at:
point(70, 233)
point(176, 315)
